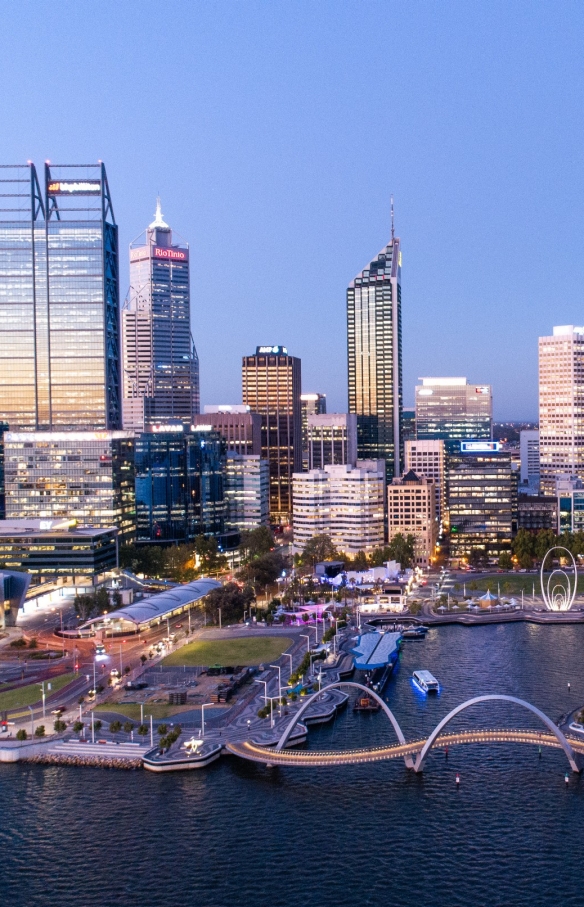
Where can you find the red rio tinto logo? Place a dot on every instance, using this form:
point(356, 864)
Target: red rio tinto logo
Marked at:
point(175, 254)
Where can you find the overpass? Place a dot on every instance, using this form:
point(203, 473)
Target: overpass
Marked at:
point(551, 737)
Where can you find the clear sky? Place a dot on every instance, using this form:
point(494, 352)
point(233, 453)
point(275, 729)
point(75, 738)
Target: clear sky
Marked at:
point(275, 133)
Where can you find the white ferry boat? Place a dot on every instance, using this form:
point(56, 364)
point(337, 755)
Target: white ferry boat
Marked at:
point(426, 681)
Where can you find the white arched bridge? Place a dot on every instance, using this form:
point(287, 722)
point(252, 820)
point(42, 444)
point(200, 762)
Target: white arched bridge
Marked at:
point(413, 753)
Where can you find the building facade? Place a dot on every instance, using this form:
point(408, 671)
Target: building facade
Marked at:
point(86, 476)
point(570, 504)
point(59, 300)
point(452, 409)
point(481, 498)
point(427, 459)
point(247, 492)
point(241, 429)
point(411, 510)
point(346, 503)
point(529, 456)
point(561, 405)
point(310, 405)
point(179, 485)
point(160, 362)
point(271, 382)
point(53, 549)
point(332, 440)
point(536, 512)
point(374, 348)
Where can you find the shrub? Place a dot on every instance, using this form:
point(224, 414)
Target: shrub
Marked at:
point(32, 644)
point(115, 726)
point(162, 729)
point(40, 731)
point(60, 726)
point(128, 727)
point(143, 730)
point(78, 727)
point(18, 644)
point(98, 725)
point(143, 659)
point(21, 734)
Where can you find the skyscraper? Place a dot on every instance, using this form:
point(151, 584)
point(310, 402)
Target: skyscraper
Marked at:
point(561, 405)
point(310, 405)
point(59, 300)
point(375, 357)
point(271, 386)
point(160, 362)
point(449, 409)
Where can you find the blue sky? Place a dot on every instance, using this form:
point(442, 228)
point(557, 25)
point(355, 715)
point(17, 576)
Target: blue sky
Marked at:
point(276, 132)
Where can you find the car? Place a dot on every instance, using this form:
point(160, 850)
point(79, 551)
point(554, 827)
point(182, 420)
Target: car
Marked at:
point(58, 711)
point(114, 672)
point(178, 626)
point(137, 685)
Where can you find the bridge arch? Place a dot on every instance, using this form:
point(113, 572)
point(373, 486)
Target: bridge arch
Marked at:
point(418, 767)
point(345, 683)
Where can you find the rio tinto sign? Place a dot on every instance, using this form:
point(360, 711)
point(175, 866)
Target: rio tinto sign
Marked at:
point(74, 187)
point(161, 253)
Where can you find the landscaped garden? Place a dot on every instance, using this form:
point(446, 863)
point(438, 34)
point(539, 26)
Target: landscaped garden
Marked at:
point(21, 697)
point(243, 650)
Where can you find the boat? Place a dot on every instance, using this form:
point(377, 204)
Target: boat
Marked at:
point(414, 633)
point(366, 704)
point(426, 681)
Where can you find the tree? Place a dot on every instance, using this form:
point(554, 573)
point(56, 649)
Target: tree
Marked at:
point(21, 734)
point(162, 729)
point(208, 554)
point(475, 556)
point(264, 570)
point(524, 545)
point(359, 562)
point(78, 727)
point(505, 562)
point(143, 659)
point(402, 549)
point(128, 727)
point(379, 556)
point(256, 542)
point(40, 731)
point(231, 600)
point(544, 540)
point(143, 730)
point(115, 727)
point(317, 549)
point(98, 725)
point(60, 726)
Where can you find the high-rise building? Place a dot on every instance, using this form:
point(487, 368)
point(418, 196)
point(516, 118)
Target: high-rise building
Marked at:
point(561, 405)
point(241, 428)
point(179, 485)
point(332, 440)
point(451, 409)
point(59, 300)
point(310, 405)
point(86, 476)
point(160, 362)
point(247, 492)
point(271, 386)
point(374, 347)
point(408, 425)
point(570, 504)
point(346, 503)
point(427, 459)
point(529, 453)
point(481, 498)
point(411, 510)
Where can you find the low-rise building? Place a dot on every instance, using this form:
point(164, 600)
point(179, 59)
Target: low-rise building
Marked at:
point(57, 549)
point(570, 504)
point(536, 512)
point(344, 502)
point(411, 510)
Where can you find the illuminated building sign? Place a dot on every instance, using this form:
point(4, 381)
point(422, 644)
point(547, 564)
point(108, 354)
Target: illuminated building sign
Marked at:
point(159, 252)
point(178, 426)
point(482, 390)
point(74, 187)
point(480, 446)
point(272, 349)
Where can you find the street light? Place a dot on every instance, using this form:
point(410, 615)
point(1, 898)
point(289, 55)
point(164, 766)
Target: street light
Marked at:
point(307, 638)
point(279, 669)
point(287, 655)
point(203, 707)
point(265, 683)
point(31, 721)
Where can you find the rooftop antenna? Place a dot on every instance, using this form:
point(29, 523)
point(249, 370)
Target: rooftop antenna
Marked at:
point(392, 224)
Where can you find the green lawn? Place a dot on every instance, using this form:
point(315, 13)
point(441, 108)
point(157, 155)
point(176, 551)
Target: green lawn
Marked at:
point(131, 710)
point(243, 650)
point(510, 583)
point(31, 694)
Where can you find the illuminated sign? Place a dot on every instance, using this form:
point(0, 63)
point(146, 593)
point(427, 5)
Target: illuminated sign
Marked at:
point(271, 349)
point(482, 390)
point(174, 254)
point(74, 187)
point(172, 427)
point(480, 446)
point(425, 392)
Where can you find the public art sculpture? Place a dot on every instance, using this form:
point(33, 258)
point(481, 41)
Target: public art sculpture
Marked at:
point(559, 590)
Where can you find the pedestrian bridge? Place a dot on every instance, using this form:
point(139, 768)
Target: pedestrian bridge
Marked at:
point(413, 753)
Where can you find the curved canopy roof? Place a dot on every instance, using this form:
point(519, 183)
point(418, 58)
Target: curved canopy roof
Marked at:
point(156, 606)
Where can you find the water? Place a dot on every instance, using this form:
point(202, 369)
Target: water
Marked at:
point(240, 834)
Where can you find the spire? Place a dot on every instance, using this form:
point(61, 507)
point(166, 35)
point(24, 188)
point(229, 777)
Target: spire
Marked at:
point(158, 222)
point(392, 225)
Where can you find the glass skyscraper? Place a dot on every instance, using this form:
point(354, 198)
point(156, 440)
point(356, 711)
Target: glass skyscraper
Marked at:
point(374, 347)
point(59, 300)
point(450, 409)
point(160, 362)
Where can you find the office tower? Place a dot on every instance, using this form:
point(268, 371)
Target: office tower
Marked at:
point(247, 492)
point(346, 503)
point(241, 428)
point(536, 512)
point(451, 409)
point(570, 504)
point(481, 498)
point(374, 348)
point(160, 362)
point(561, 405)
point(529, 453)
point(271, 386)
point(179, 485)
point(59, 300)
point(310, 405)
point(411, 510)
point(427, 458)
point(332, 440)
point(408, 425)
point(86, 476)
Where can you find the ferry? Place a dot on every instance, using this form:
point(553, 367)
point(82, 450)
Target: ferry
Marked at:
point(414, 633)
point(426, 681)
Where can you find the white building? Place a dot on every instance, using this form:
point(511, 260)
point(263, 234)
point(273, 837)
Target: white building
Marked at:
point(411, 510)
point(247, 492)
point(344, 502)
point(561, 405)
point(426, 458)
point(529, 453)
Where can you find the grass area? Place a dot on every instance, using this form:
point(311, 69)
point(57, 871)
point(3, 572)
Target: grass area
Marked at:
point(509, 583)
point(31, 694)
point(243, 650)
point(131, 710)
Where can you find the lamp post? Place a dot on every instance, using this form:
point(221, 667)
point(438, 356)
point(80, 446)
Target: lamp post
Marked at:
point(92, 727)
point(31, 721)
point(219, 609)
point(265, 683)
point(203, 707)
point(279, 670)
point(287, 655)
point(307, 638)
point(43, 694)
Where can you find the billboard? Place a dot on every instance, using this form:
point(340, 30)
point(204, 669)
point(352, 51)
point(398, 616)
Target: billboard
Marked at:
point(74, 187)
point(480, 446)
